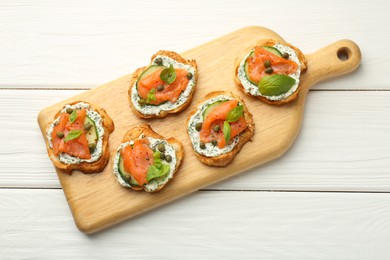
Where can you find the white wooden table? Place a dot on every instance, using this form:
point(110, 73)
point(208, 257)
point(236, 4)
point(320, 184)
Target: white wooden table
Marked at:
point(328, 197)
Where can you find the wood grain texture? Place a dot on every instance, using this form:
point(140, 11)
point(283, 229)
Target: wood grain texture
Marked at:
point(343, 145)
point(97, 201)
point(86, 43)
point(270, 225)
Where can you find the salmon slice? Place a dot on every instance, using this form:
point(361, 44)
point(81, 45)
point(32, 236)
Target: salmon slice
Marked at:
point(217, 116)
point(77, 147)
point(55, 140)
point(138, 159)
point(279, 65)
point(171, 92)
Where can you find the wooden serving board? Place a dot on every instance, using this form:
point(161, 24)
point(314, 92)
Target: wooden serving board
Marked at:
point(98, 201)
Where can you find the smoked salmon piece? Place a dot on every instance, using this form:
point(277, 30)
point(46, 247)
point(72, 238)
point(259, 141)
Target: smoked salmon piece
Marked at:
point(171, 92)
point(279, 65)
point(55, 140)
point(77, 147)
point(138, 159)
point(217, 116)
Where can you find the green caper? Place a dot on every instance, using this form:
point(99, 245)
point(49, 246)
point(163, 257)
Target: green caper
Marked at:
point(161, 147)
point(142, 102)
point(198, 126)
point(60, 134)
point(92, 147)
point(267, 63)
point(126, 177)
point(69, 110)
point(87, 126)
point(189, 75)
point(168, 158)
point(216, 128)
point(158, 61)
point(285, 55)
point(162, 156)
point(269, 70)
point(202, 146)
point(160, 88)
point(214, 142)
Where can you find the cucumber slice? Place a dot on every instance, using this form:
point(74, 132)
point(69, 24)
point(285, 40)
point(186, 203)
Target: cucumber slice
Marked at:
point(92, 134)
point(211, 107)
point(125, 175)
point(150, 70)
point(272, 50)
point(246, 69)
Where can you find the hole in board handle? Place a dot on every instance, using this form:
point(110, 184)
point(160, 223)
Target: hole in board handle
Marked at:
point(343, 53)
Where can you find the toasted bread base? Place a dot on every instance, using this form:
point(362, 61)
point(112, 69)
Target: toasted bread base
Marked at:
point(147, 131)
point(86, 167)
point(245, 136)
point(270, 42)
point(139, 71)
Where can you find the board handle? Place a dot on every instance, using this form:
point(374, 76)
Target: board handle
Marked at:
point(334, 60)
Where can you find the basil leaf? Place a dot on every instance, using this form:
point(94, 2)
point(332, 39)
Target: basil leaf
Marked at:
point(275, 85)
point(235, 114)
point(226, 131)
point(152, 173)
point(151, 95)
point(156, 155)
point(73, 135)
point(73, 116)
point(157, 171)
point(168, 75)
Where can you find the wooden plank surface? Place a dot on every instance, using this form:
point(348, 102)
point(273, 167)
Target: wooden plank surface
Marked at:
point(97, 201)
point(87, 43)
point(270, 225)
point(353, 156)
point(343, 144)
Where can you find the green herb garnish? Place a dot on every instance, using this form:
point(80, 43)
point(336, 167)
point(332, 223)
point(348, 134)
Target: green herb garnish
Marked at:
point(73, 135)
point(226, 131)
point(151, 95)
point(158, 169)
point(235, 114)
point(168, 75)
point(73, 116)
point(275, 85)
